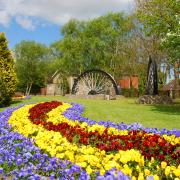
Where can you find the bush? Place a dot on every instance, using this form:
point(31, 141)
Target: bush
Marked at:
point(8, 78)
point(130, 92)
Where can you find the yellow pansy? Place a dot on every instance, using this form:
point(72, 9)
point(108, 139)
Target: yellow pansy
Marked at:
point(91, 158)
point(156, 177)
point(167, 170)
point(147, 172)
point(163, 165)
point(177, 172)
point(89, 170)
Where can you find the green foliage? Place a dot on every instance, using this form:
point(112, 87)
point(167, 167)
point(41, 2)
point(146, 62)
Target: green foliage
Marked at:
point(8, 79)
point(96, 44)
point(132, 92)
point(142, 83)
point(31, 65)
point(162, 79)
point(172, 45)
point(161, 18)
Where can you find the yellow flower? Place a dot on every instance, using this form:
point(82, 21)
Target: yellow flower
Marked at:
point(87, 157)
point(177, 172)
point(142, 161)
point(60, 155)
point(82, 164)
point(102, 171)
point(138, 168)
point(126, 170)
point(107, 166)
point(103, 152)
point(156, 177)
point(163, 164)
point(173, 168)
point(124, 159)
point(89, 170)
point(167, 170)
point(152, 159)
point(141, 176)
point(147, 172)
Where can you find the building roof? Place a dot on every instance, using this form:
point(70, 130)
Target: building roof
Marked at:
point(51, 78)
point(170, 85)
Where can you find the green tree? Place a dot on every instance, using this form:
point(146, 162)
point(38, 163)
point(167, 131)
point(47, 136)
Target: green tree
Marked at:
point(8, 78)
point(161, 19)
point(71, 47)
point(99, 43)
point(31, 65)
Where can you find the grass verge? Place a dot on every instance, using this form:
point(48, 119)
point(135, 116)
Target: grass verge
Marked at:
point(122, 110)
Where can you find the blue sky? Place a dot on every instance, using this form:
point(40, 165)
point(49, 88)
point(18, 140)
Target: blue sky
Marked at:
point(46, 35)
point(41, 20)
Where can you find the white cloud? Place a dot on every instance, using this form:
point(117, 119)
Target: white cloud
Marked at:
point(57, 11)
point(25, 22)
point(4, 18)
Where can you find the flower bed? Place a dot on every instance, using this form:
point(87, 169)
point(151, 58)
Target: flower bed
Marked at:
point(52, 139)
point(20, 97)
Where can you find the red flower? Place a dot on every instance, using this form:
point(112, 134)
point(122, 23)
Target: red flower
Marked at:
point(149, 145)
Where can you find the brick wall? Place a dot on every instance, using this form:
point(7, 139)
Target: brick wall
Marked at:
point(128, 82)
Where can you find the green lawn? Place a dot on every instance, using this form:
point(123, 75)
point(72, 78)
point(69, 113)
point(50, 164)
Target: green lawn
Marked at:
point(123, 110)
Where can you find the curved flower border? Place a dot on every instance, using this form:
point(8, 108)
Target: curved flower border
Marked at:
point(20, 158)
point(74, 113)
point(19, 98)
point(108, 139)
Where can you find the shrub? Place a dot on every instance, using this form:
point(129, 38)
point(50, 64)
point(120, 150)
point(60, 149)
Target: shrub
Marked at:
point(132, 92)
point(8, 78)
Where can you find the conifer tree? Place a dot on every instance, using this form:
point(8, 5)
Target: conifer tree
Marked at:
point(8, 78)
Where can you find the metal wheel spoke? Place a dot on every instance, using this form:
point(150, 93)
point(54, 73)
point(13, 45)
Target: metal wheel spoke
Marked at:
point(86, 82)
point(104, 86)
point(100, 82)
point(94, 82)
point(101, 91)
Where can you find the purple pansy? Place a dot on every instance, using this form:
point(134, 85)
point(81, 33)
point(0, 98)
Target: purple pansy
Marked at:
point(20, 158)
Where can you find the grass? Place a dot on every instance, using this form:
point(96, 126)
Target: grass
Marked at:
point(122, 110)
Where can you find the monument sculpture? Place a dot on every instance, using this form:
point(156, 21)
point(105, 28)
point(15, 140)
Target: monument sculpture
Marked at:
point(151, 94)
point(152, 79)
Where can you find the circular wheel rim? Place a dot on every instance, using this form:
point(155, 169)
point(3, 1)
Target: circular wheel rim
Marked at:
point(93, 82)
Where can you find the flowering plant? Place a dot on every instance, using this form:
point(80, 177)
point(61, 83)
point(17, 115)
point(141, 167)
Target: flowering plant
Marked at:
point(20, 97)
point(94, 149)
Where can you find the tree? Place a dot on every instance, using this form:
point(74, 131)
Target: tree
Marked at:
point(71, 47)
point(112, 42)
point(8, 78)
point(161, 19)
point(100, 43)
point(31, 65)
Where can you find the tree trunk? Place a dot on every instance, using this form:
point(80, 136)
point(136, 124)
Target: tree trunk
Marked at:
point(176, 77)
point(28, 88)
